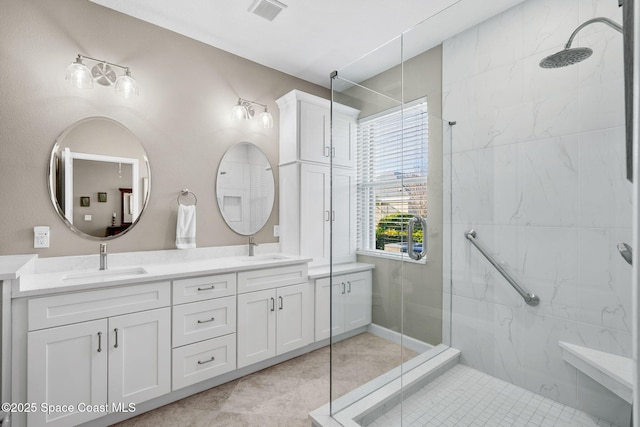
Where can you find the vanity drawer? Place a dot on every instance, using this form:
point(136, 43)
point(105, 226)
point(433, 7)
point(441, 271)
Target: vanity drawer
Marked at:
point(199, 321)
point(205, 287)
point(201, 361)
point(64, 309)
point(269, 278)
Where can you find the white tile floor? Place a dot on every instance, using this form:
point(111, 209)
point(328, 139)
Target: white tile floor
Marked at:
point(463, 396)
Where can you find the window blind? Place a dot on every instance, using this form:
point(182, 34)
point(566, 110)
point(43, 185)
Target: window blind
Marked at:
point(392, 160)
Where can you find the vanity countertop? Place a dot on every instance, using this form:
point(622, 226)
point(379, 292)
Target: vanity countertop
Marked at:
point(32, 283)
point(13, 266)
point(346, 268)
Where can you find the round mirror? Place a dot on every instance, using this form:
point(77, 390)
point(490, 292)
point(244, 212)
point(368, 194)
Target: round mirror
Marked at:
point(99, 178)
point(245, 188)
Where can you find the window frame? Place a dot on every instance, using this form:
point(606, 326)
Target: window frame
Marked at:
point(367, 221)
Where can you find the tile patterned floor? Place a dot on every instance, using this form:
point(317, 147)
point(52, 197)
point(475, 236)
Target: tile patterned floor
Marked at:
point(463, 396)
point(284, 394)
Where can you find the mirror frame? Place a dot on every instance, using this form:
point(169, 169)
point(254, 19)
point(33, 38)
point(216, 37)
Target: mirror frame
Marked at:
point(273, 178)
point(145, 189)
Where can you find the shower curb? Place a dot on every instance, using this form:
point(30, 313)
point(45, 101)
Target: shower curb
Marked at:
point(362, 410)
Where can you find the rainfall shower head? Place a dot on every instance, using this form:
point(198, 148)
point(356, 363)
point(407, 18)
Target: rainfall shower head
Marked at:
point(566, 57)
point(569, 56)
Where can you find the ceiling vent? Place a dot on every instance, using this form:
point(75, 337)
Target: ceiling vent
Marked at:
point(267, 9)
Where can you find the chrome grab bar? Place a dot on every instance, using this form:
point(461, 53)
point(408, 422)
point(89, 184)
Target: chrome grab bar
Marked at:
point(529, 298)
point(411, 223)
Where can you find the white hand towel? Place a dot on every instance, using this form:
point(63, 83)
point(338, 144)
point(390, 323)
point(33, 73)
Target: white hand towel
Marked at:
point(186, 227)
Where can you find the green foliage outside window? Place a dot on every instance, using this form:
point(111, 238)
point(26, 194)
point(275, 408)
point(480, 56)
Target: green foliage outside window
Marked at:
point(393, 229)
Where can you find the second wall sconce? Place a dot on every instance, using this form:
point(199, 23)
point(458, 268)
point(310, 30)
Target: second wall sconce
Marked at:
point(102, 72)
point(244, 111)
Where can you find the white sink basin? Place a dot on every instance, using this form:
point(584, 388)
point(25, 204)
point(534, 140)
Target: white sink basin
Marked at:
point(263, 258)
point(103, 274)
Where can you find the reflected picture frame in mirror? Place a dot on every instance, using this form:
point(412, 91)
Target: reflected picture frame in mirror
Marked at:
point(245, 188)
point(99, 155)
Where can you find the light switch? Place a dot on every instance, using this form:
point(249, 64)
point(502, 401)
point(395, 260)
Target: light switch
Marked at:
point(276, 231)
point(41, 236)
point(87, 217)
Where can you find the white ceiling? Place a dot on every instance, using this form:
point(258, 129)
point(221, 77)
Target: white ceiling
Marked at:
point(311, 38)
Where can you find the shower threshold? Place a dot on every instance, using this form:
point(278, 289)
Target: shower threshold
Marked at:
point(441, 392)
point(370, 401)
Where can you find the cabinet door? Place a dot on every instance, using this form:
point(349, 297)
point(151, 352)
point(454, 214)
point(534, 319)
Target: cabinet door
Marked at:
point(314, 133)
point(314, 212)
point(324, 312)
point(357, 306)
point(294, 318)
point(256, 327)
point(343, 134)
point(343, 216)
point(139, 356)
point(67, 365)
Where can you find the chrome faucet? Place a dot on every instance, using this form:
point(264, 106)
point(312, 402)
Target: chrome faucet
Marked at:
point(103, 256)
point(251, 245)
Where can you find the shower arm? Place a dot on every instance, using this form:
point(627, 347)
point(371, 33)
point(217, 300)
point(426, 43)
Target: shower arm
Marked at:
point(603, 20)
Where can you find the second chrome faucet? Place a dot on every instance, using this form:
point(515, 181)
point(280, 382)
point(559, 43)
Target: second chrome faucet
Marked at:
point(252, 244)
point(103, 256)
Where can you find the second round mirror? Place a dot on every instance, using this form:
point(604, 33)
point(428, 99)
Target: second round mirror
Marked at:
point(245, 188)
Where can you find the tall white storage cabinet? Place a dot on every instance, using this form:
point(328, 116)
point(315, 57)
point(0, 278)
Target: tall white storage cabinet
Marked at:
point(305, 178)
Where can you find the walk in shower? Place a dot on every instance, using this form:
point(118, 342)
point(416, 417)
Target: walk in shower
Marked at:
point(520, 175)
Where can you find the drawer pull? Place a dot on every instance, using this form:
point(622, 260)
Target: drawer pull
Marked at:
point(116, 332)
point(99, 342)
point(207, 321)
point(281, 304)
point(207, 289)
point(200, 362)
point(273, 304)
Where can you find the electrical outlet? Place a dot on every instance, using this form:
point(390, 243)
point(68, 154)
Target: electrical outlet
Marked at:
point(276, 231)
point(41, 236)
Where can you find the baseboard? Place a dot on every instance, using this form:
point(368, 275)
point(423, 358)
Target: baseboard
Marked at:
point(398, 338)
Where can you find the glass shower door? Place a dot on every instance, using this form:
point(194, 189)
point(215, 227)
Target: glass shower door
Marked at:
point(398, 213)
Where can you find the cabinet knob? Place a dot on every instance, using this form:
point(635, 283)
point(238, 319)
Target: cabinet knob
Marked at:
point(115, 330)
point(99, 342)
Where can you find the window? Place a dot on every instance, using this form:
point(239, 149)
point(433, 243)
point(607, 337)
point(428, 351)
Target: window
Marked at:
point(392, 178)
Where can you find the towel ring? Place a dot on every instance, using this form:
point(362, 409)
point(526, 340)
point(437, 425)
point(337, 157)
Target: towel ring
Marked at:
point(186, 192)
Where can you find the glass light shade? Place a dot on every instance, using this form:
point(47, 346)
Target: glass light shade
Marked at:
point(126, 86)
point(79, 75)
point(267, 119)
point(240, 112)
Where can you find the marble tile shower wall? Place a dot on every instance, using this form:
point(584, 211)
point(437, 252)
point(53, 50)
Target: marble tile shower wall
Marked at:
point(536, 166)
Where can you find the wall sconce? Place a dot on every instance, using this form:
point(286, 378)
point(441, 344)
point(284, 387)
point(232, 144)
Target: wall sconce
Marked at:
point(244, 111)
point(102, 72)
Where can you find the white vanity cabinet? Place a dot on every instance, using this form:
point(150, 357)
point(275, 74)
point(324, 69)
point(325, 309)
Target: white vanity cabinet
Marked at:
point(275, 320)
point(203, 330)
point(113, 359)
point(95, 352)
point(351, 294)
point(305, 178)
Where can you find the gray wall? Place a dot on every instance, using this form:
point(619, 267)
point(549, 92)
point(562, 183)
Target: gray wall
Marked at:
point(411, 288)
point(182, 117)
